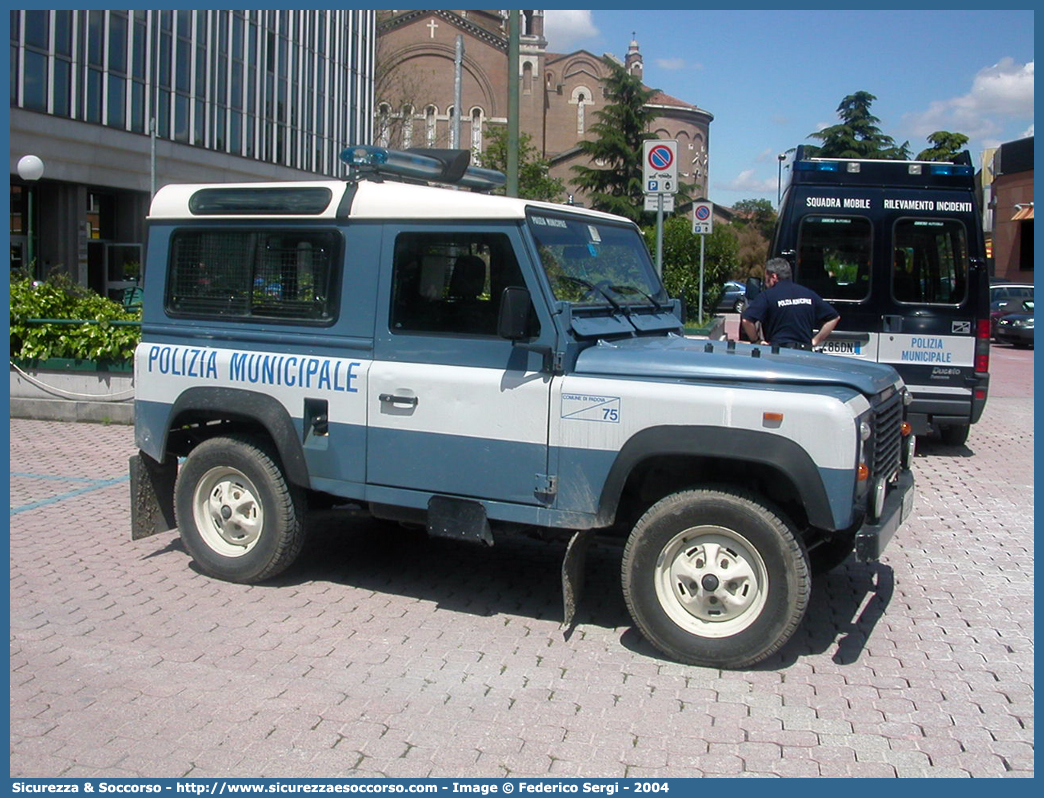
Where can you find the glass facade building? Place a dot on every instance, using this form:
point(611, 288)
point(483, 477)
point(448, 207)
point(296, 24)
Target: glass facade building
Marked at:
point(228, 94)
point(287, 87)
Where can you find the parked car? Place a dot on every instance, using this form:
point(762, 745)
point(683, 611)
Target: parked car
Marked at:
point(1017, 328)
point(1001, 293)
point(734, 298)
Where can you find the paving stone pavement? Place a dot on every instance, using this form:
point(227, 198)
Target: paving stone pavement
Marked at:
point(393, 655)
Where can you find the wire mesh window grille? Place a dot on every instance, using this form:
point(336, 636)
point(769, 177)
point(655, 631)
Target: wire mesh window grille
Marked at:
point(271, 275)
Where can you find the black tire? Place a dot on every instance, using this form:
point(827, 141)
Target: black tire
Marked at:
point(239, 517)
point(956, 435)
point(717, 622)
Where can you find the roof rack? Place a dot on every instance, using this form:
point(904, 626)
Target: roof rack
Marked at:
point(426, 165)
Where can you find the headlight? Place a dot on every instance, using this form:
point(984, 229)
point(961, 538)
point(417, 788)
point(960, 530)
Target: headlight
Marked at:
point(864, 433)
point(864, 430)
point(1025, 324)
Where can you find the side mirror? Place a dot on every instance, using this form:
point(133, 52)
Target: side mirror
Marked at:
point(753, 288)
point(513, 320)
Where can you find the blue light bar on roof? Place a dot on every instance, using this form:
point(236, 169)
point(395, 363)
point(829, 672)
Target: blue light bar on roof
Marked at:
point(404, 164)
point(482, 179)
point(949, 169)
point(441, 166)
point(815, 166)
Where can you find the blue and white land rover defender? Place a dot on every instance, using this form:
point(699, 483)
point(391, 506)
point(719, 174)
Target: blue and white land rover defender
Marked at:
point(481, 364)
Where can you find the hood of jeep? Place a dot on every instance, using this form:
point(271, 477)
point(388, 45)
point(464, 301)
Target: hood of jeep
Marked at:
point(700, 360)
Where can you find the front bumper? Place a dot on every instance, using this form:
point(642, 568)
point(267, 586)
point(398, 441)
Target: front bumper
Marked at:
point(872, 538)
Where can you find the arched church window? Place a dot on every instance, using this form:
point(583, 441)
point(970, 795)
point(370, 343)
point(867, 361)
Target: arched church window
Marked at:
point(476, 130)
point(383, 124)
point(429, 124)
point(407, 125)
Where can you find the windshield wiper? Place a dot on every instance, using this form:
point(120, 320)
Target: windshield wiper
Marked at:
point(633, 289)
point(592, 288)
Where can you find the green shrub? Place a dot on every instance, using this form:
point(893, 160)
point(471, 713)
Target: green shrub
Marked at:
point(60, 298)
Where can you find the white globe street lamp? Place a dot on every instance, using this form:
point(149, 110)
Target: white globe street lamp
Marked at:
point(30, 169)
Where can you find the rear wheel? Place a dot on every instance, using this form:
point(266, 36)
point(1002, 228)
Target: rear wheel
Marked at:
point(239, 517)
point(956, 435)
point(715, 578)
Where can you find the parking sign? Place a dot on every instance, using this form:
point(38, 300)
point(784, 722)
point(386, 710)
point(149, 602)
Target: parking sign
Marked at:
point(702, 218)
point(660, 166)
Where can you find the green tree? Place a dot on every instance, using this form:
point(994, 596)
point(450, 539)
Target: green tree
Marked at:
point(534, 178)
point(946, 146)
point(752, 250)
point(681, 263)
point(756, 213)
point(858, 134)
point(615, 183)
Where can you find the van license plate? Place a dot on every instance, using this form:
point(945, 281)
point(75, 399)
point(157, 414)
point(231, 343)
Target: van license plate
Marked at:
point(841, 348)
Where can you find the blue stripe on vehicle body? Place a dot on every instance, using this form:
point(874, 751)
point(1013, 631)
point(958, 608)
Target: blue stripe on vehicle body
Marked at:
point(338, 456)
point(458, 465)
point(582, 476)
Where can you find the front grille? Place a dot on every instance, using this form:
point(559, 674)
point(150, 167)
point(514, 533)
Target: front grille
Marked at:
point(888, 435)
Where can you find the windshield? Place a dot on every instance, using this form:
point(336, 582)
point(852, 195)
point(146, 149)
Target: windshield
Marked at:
point(594, 263)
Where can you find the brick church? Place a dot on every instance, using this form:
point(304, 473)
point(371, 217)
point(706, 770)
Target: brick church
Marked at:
point(559, 93)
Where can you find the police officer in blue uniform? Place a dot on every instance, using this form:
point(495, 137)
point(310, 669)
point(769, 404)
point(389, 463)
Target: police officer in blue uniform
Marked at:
point(788, 312)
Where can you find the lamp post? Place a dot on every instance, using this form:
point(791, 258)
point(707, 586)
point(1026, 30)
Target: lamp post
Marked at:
point(779, 177)
point(30, 169)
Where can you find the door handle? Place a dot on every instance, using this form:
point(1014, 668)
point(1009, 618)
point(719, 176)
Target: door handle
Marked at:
point(398, 400)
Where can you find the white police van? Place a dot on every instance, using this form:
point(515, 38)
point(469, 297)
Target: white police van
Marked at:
point(484, 364)
point(897, 248)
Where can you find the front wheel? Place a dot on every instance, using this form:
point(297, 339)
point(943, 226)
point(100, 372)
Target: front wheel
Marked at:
point(715, 577)
point(239, 517)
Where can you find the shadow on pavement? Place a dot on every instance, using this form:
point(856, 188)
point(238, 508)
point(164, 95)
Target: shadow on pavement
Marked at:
point(522, 576)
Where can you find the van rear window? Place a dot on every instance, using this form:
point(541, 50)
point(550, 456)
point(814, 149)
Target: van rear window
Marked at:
point(930, 262)
point(254, 274)
point(834, 256)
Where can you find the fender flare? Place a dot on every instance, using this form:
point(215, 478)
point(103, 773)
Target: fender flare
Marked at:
point(739, 445)
point(240, 405)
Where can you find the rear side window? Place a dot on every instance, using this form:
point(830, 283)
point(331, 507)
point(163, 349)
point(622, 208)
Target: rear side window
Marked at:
point(930, 262)
point(252, 274)
point(834, 256)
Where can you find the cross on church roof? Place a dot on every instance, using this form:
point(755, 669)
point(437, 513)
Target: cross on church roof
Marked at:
point(431, 26)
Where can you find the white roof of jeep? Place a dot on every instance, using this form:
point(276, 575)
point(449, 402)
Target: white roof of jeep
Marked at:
point(373, 200)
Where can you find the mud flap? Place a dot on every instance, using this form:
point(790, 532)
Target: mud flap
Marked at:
point(458, 519)
point(152, 495)
point(573, 576)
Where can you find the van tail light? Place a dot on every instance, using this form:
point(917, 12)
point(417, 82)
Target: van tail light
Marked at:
point(982, 346)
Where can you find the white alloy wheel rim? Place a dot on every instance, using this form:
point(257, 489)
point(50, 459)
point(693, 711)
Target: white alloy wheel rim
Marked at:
point(711, 581)
point(227, 512)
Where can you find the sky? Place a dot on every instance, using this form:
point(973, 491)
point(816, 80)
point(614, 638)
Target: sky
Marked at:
point(770, 78)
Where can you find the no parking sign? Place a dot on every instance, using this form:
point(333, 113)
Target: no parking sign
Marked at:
point(660, 166)
point(702, 218)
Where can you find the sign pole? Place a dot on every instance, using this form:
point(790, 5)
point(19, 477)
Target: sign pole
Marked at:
point(659, 236)
point(703, 226)
point(702, 239)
